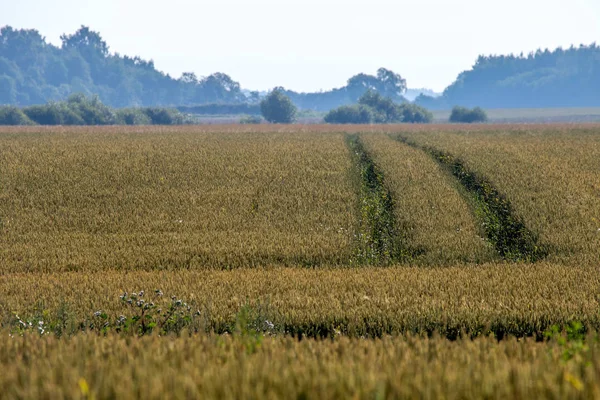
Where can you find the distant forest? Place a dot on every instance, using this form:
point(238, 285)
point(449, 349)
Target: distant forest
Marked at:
point(559, 78)
point(33, 71)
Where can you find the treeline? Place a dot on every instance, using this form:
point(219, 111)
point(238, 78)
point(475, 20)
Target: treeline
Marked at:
point(82, 110)
point(33, 71)
point(559, 78)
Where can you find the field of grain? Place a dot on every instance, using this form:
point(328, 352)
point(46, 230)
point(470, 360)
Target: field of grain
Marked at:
point(86, 200)
point(551, 175)
point(240, 367)
point(300, 261)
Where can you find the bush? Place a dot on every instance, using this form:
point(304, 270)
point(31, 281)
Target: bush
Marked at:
point(465, 115)
point(415, 114)
point(373, 108)
point(132, 116)
point(384, 110)
point(91, 110)
point(357, 114)
point(48, 114)
point(10, 115)
point(278, 108)
point(164, 116)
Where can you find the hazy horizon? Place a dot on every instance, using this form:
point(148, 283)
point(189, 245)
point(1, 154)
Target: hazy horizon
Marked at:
point(312, 46)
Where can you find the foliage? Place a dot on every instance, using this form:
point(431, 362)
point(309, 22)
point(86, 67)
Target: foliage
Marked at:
point(356, 114)
point(10, 115)
point(33, 71)
point(132, 116)
point(374, 108)
point(164, 116)
point(386, 82)
point(544, 78)
point(83, 110)
point(413, 113)
point(571, 340)
point(278, 108)
point(158, 314)
point(465, 115)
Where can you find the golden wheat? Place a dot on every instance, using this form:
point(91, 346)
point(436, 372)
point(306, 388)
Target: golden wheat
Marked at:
point(550, 175)
point(89, 366)
point(430, 211)
point(93, 199)
point(518, 299)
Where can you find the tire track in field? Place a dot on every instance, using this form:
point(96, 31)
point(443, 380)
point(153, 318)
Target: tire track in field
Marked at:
point(378, 240)
point(503, 228)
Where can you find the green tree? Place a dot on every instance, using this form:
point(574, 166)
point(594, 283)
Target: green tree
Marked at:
point(468, 116)
point(8, 90)
point(278, 108)
point(356, 114)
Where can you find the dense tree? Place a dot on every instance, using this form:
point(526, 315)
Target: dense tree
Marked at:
point(465, 115)
point(355, 114)
point(278, 108)
point(374, 108)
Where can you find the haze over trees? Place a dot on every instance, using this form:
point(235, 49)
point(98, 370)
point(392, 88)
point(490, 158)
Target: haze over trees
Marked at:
point(33, 71)
point(560, 78)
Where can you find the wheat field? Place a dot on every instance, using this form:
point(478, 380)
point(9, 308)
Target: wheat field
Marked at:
point(304, 261)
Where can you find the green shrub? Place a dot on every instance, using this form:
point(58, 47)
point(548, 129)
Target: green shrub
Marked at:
point(357, 114)
point(91, 110)
point(465, 115)
point(384, 110)
point(415, 114)
point(164, 116)
point(10, 115)
point(48, 114)
point(278, 108)
point(132, 116)
point(373, 108)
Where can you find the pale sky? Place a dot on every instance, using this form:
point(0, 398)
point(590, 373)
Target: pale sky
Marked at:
point(310, 45)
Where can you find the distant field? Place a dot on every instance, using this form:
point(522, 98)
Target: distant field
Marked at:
point(499, 115)
point(390, 241)
point(534, 115)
